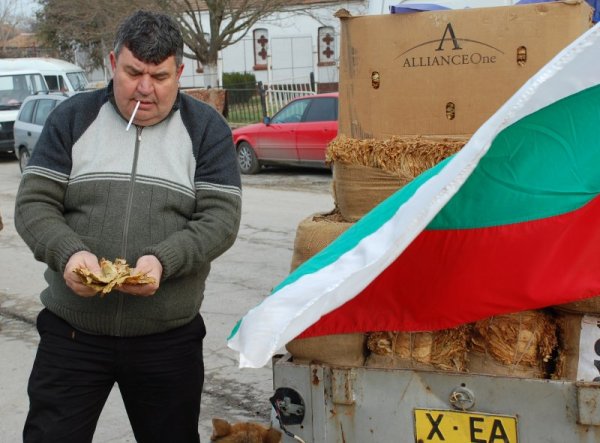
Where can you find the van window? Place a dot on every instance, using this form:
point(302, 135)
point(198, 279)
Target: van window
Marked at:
point(56, 83)
point(35, 83)
point(27, 112)
point(78, 80)
point(52, 81)
point(43, 109)
point(14, 88)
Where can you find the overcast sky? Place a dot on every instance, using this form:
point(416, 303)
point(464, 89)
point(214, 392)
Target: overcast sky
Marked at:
point(28, 7)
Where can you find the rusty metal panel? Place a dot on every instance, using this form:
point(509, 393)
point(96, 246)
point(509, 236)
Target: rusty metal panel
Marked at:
point(368, 405)
point(318, 433)
point(342, 386)
point(588, 403)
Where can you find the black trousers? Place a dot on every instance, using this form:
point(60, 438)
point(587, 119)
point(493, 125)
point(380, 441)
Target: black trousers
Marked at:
point(160, 378)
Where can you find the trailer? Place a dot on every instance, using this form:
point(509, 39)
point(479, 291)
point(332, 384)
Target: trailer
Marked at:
point(320, 403)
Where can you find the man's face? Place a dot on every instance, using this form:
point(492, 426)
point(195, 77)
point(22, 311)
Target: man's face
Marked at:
point(155, 86)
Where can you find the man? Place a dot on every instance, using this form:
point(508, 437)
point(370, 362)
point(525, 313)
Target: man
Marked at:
point(165, 195)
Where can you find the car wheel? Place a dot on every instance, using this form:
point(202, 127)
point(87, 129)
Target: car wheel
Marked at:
point(247, 159)
point(23, 158)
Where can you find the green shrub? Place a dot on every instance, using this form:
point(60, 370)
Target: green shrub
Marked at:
point(241, 86)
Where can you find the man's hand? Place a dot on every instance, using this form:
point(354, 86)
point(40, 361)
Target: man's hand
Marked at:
point(150, 265)
point(81, 259)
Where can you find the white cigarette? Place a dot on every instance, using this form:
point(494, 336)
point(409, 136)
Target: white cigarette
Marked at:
point(137, 105)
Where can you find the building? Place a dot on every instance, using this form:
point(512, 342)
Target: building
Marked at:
point(286, 48)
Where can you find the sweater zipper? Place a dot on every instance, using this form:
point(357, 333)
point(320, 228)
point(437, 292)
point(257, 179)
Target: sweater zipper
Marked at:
point(128, 209)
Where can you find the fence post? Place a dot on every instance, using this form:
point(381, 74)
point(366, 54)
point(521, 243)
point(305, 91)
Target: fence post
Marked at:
point(263, 102)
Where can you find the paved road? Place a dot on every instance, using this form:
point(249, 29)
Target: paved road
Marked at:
point(274, 202)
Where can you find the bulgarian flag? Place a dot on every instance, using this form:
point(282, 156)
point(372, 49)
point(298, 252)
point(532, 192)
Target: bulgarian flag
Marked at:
point(509, 223)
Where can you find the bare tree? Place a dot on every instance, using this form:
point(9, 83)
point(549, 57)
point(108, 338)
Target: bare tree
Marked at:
point(10, 20)
point(212, 25)
point(73, 27)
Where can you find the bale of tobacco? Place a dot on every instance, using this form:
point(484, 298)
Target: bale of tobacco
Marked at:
point(367, 171)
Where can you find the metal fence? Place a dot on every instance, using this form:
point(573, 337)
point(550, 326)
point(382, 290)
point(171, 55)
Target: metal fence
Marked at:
point(251, 106)
point(244, 106)
point(277, 96)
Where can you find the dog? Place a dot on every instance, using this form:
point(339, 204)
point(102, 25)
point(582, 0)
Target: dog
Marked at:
point(224, 432)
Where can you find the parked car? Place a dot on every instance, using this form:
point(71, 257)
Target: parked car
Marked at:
point(296, 135)
point(15, 86)
point(30, 121)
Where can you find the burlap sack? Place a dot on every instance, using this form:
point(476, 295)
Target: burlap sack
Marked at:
point(392, 361)
point(484, 364)
point(589, 306)
point(357, 189)
point(314, 233)
point(445, 349)
point(519, 344)
point(336, 349)
point(569, 331)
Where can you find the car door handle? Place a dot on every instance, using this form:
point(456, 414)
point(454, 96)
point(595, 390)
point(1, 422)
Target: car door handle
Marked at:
point(29, 133)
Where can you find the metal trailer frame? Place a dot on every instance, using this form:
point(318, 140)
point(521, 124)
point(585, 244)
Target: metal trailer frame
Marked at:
point(372, 405)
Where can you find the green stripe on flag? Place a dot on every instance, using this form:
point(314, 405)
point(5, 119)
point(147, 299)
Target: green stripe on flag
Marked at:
point(544, 165)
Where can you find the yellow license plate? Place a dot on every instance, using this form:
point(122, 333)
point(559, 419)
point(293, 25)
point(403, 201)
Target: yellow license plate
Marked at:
point(435, 425)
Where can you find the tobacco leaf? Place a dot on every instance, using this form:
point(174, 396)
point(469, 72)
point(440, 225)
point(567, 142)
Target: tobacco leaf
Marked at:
point(111, 275)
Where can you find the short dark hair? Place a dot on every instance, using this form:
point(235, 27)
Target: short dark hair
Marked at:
point(151, 37)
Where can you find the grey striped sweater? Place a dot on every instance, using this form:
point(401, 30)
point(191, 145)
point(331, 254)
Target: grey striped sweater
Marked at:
point(171, 190)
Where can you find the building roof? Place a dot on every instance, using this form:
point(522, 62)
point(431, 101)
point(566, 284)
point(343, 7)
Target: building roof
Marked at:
point(291, 3)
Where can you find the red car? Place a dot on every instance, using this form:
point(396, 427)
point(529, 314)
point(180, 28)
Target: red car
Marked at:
point(297, 135)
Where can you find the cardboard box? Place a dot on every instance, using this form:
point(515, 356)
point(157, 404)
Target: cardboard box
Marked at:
point(445, 72)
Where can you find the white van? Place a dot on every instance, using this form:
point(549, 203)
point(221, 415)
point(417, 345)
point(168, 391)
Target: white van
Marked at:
point(60, 75)
point(15, 86)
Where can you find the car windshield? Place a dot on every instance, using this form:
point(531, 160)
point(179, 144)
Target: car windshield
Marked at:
point(78, 80)
point(291, 113)
point(15, 88)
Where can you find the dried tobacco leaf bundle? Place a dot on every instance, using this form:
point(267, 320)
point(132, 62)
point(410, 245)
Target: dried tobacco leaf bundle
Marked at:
point(112, 274)
point(404, 156)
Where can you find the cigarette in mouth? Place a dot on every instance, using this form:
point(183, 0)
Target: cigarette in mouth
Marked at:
point(137, 105)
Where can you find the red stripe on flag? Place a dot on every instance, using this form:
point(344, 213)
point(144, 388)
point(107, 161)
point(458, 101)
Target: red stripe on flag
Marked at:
point(449, 277)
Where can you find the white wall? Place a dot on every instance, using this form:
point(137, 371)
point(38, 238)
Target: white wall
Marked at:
point(292, 47)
